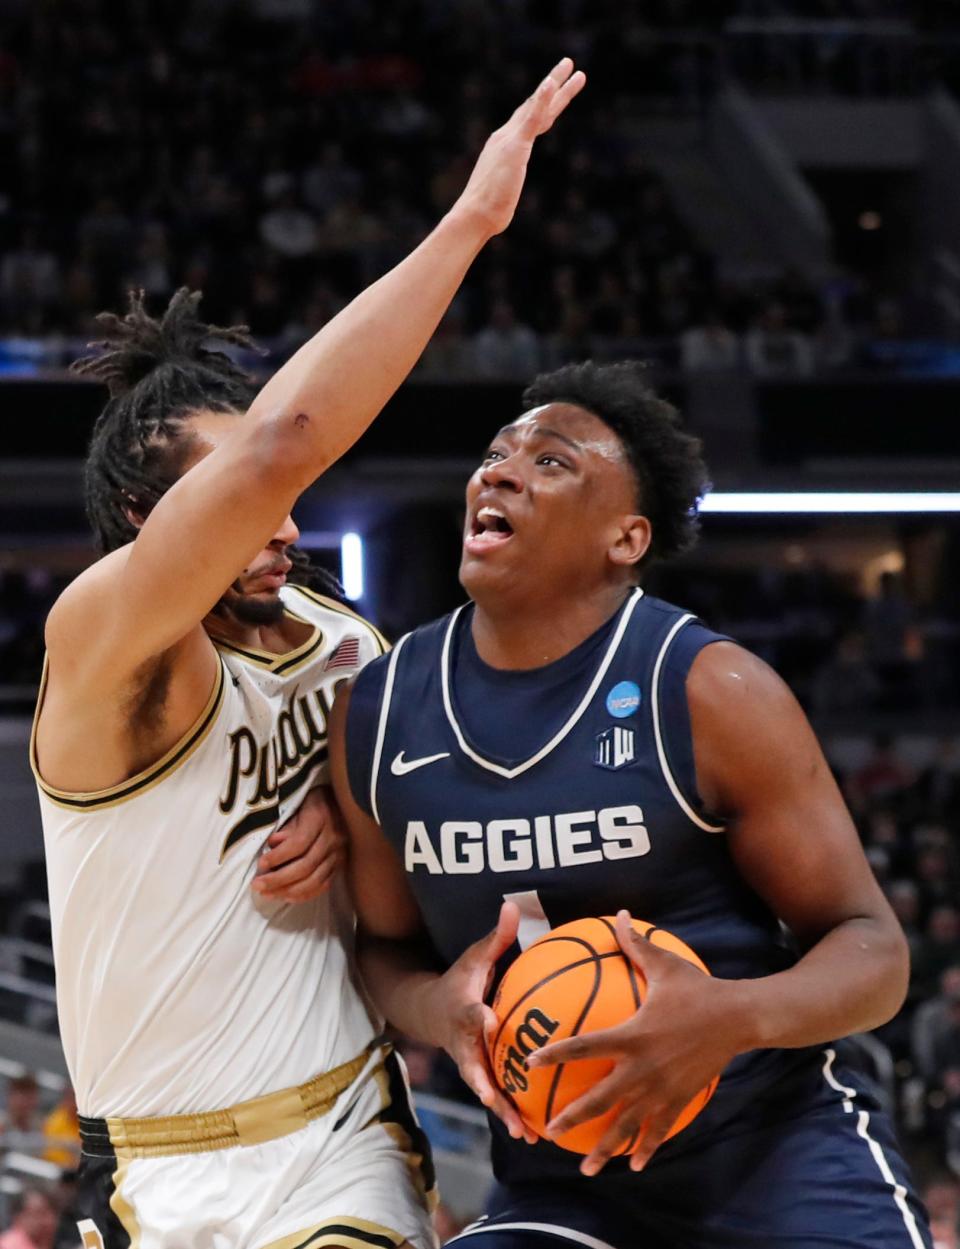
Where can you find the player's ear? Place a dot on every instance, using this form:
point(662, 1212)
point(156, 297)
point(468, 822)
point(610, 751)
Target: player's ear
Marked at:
point(632, 541)
point(132, 510)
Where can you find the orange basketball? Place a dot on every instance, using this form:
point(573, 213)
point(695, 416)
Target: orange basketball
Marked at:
point(575, 979)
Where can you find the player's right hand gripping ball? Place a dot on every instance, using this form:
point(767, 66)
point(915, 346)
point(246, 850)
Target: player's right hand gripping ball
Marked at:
point(575, 979)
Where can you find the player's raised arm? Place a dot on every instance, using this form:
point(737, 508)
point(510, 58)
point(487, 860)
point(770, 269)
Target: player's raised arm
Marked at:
point(232, 502)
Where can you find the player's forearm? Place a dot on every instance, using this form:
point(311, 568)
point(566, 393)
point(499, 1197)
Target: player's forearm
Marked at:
point(334, 386)
point(853, 979)
point(400, 978)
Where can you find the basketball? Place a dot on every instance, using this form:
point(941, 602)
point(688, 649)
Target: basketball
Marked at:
point(575, 979)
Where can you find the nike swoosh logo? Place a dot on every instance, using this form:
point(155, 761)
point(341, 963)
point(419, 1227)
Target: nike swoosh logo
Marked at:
point(401, 766)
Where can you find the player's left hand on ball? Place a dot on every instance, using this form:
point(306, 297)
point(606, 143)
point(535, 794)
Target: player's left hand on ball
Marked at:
point(684, 1034)
point(303, 855)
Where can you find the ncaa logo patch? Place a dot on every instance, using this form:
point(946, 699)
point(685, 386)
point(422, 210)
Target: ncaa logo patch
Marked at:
point(623, 700)
point(615, 748)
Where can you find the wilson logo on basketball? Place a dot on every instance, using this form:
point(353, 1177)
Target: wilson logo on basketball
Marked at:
point(535, 1031)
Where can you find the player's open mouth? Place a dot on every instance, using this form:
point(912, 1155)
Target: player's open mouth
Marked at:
point(489, 528)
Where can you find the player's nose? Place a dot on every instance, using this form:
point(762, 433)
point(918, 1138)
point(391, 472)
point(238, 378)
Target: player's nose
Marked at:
point(503, 473)
point(287, 534)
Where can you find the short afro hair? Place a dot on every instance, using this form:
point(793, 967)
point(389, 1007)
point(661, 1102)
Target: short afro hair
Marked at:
point(667, 462)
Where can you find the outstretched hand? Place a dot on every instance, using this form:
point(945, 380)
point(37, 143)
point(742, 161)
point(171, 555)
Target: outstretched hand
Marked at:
point(493, 191)
point(681, 1038)
point(464, 1020)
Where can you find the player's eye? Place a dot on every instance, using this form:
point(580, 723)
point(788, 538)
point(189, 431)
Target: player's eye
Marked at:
point(551, 460)
point(493, 454)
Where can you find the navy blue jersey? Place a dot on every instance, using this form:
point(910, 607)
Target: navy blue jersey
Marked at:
point(572, 790)
point(603, 814)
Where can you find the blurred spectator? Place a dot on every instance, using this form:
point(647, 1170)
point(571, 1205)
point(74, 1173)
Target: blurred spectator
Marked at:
point(29, 277)
point(887, 623)
point(936, 791)
point(940, 948)
point(846, 682)
point(66, 1201)
point(330, 181)
point(932, 1023)
point(448, 354)
point(882, 778)
point(773, 349)
point(61, 1130)
point(288, 228)
point(21, 1127)
point(942, 1199)
point(34, 1220)
point(506, 349)
point(709, 347)
point(904, 898)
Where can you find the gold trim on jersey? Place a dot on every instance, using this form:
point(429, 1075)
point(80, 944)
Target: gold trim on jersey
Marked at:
point(350, 1232)
point(248, 1123)
point(342, 610)
point(121, 1207)
point(395, 1129)
point(148, 777)
point(279, 664)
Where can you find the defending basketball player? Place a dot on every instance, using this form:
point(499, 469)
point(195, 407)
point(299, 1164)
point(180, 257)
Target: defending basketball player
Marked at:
point(232, 1086)
point(576, 747)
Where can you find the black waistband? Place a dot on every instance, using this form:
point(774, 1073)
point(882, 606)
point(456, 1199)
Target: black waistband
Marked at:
point(95, 1137)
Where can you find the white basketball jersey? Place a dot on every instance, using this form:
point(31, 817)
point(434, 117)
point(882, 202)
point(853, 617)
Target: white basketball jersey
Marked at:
point(178, 989)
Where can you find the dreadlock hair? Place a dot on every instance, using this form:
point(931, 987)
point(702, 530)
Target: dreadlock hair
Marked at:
point(159, 372)
point(666, 461)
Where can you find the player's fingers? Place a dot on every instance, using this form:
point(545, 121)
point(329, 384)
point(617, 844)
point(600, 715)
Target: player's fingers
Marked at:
point(475, 1073)
point(621, 1134)
point(316, 883)
point(490, 1025)
point(289, 871)
point(570, 89)
point(561, 71)
point(604, 1043)
point(655, 1133)
point(292, 838)
point(297, 843)
point(647, 957)
point(503, 936)
point(532, 114)
point(595, 1102)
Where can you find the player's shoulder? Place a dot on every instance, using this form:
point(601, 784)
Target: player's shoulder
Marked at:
point(80, 604)
point(729, 683)
point(674, 633)
point(336, 616)
point(413, 659)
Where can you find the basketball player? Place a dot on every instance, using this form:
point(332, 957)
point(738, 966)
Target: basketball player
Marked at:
point(230, 1081)
point(577, 747)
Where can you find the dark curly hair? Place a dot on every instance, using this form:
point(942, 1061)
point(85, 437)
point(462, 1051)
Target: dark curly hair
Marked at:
point(666, 461)
point(159, 372)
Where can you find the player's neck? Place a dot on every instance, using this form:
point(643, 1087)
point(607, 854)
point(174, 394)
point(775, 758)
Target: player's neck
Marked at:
point(541, 632)
point(276, 638)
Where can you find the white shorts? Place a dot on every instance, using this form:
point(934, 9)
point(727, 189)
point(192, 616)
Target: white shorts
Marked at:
point(360, 1177)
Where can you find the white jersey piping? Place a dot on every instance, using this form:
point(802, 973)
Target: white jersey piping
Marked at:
point(548, 1229)
point(510, 773)
point(382, 726)
point(863, 1126)
point(668, 776)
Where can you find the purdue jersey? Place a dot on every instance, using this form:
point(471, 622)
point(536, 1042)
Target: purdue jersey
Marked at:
point(178, 989)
